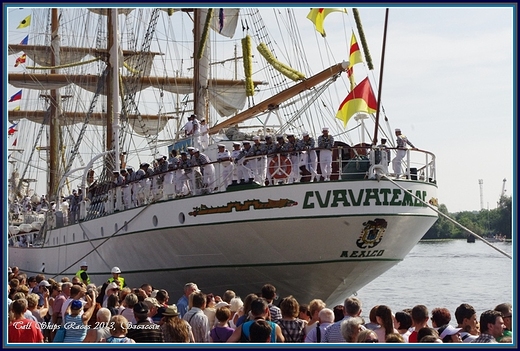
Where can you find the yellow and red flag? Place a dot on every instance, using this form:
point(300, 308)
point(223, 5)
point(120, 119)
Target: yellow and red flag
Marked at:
point(317, 16)
point(360, 99)
point(355, 57)
point(20, 60)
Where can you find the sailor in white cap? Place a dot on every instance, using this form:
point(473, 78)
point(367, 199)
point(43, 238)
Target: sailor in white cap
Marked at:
point(291, 146)
point(204, 134)
point(259, 163)
point(207, 169)
point(234, 155)
point(226, 166)
point(245, 171)
point(306, 145)
point(402, 146)
point(325, 144)
point(270, 150)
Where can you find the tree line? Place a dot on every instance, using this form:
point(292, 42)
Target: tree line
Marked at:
point(486, 223)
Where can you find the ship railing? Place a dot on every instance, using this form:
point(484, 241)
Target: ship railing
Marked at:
point(349, 163)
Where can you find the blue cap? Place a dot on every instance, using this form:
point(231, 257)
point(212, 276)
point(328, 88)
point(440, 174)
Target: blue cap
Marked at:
point(76, 305)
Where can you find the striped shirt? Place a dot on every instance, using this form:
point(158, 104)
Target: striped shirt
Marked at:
point(199, 324)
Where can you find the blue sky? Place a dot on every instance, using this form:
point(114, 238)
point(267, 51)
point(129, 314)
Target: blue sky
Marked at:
point(448, 85)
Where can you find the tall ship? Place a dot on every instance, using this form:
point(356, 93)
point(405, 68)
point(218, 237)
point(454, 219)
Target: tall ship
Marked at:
point(197, 144)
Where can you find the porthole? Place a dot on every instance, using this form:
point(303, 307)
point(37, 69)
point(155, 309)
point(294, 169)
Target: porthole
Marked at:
point(182, 218)
point(125, 226)
point(102, 232)
point(155, 221)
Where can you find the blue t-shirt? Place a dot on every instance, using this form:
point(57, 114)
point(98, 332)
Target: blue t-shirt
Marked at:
point(247, 325)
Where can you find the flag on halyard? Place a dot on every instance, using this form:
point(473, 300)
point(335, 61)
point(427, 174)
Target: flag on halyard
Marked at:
point(317, 16)
point(17, 108)
point(14, 142)
point(12, 129)
point(20, 60)
point(17, 96)
point(360, 99)
point(25, 40)
point(26, 22)
point(355, 57)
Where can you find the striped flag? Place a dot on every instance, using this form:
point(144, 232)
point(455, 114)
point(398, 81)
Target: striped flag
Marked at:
point(25, 40)
point(355, 57)
point(317, 16)
point(360, 99)
point(20, 60)
point(26, 22)
point(12, 129)
point(17, 96)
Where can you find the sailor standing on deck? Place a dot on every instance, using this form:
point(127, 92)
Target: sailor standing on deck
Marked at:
point(325, 143)
point(402, 142)
point(226, 166)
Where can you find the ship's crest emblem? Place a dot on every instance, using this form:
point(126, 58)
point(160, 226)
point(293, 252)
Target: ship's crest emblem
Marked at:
point(372, 233)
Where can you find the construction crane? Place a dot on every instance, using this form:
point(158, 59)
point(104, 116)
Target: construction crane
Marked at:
point(481, 184)
point(503, 193)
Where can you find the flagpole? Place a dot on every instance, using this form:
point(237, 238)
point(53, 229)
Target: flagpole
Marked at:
point(374, 142)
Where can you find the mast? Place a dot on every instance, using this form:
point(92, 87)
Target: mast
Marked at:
point(200, 65)
point(54, 123)
point(113, 89)
point(374, 142)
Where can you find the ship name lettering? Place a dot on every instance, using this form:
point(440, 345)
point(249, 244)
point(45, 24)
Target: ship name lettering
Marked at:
point(362, 253)
point(364, 197)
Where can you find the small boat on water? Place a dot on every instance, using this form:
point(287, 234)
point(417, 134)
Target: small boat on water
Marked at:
point(291, 222)
point(470, 238)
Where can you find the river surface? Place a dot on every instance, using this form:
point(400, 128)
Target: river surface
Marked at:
point(445, 274)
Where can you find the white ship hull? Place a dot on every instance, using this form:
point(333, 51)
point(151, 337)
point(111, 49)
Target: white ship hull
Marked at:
point(311, 240)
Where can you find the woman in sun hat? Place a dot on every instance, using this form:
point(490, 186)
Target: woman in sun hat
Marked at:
point(174, 328)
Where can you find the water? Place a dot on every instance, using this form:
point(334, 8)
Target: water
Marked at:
point(445, 274)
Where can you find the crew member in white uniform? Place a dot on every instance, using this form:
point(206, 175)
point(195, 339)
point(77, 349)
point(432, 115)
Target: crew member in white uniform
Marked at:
point(325, 143)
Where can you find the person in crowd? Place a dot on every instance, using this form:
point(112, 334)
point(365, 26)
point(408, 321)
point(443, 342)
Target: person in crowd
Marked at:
point(260, 331)
point(144, 330)
point(182, 303)
point(76, 323)
point(237, 310)
point(246, 309)
point(350, 328)
point(401, 142)
point(293, 328)
point(448, 334)
point(228, 295)
point(419, 320)
point(259, 311)
point(372, 325)
point(315, 306)
point(174, 328)
point(102, 329)
point(197, 319)
point(426, 331)
point(325, 144)
point(222, 331)
point(21, 329)
point(367, 336)
point(309, 158)
point(119, 330)
point(431, 338)
point(352, 308)
point(404, 324)
point(325, 319)
point(269, 294)
point(339, 313)
point(466, 317)
point(304, 314)
point(440, 316)
point(507, 315)
point(394, 337)
point(210, 309)
point(385, 319)
point(491, 327)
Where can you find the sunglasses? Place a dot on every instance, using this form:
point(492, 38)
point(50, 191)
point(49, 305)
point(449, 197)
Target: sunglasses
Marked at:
point(371, 340)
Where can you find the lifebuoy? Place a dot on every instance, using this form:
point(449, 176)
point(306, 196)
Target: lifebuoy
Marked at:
point(280, 167)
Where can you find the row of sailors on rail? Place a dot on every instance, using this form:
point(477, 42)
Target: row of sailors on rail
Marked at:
point(193, 172)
